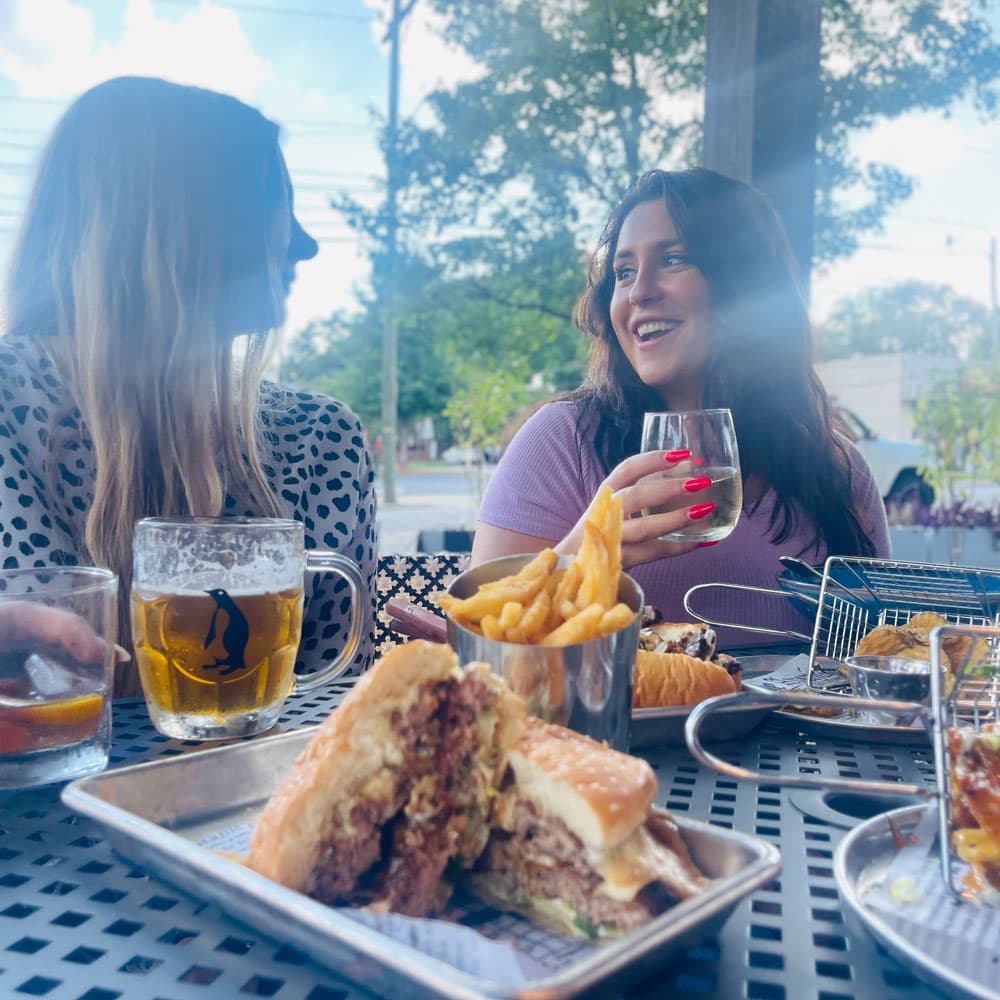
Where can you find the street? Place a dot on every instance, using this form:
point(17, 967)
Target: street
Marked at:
point(433, 498)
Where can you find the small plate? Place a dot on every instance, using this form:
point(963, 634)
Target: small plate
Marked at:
point(861, 858)
point(665, 726)
point(845, 724)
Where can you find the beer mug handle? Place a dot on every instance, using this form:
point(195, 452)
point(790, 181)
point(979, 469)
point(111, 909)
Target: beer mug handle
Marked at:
point(321, 561)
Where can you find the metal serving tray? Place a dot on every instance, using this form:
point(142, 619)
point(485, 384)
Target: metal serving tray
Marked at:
point(861, 858)
point(665, 726)
point(157, 814)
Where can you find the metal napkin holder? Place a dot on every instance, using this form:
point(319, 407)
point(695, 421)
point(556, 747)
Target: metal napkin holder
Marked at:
point(972, 701)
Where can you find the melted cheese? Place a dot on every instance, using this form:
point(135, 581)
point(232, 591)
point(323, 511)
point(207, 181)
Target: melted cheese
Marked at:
point(637, 861)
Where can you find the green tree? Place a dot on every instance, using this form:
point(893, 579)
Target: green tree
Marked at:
point(515, 319)
point(910, 316)
point(575, 99)
point(505, 178)
point(959, 420)
point(483, 404)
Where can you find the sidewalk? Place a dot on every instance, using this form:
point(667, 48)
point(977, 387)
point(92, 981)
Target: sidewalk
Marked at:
point(426, 500)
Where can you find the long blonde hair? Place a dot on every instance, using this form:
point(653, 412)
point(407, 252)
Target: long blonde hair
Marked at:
point(148, 248)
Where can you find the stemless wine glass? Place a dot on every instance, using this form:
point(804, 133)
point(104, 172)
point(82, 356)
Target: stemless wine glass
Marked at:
point(711, 439)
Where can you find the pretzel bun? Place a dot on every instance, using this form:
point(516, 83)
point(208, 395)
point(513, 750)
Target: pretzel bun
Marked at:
point(676, 679)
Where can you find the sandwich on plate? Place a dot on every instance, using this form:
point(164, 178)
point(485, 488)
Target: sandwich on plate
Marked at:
point(678, 664)
point(395, 787)
point(575, 844)
point(429, 775)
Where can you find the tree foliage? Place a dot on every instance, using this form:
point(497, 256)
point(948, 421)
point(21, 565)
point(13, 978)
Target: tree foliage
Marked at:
point(505, 178)
point(959, 420)
point(910, 316)
point(576, 98)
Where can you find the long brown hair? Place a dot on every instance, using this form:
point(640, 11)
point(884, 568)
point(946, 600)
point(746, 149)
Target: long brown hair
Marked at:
point(760, 360)
point(148, 248)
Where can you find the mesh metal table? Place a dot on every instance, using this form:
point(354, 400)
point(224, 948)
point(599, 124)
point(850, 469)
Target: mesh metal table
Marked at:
point(78, 922)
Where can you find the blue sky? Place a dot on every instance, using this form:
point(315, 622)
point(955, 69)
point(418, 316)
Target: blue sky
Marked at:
point(318, 67)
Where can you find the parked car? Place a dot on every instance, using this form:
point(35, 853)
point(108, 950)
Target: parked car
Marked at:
point(895, 465)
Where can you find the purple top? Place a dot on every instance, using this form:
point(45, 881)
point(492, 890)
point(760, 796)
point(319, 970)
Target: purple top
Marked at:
point(545, 481)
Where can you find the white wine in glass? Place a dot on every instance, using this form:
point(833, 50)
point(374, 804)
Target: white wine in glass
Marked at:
point(711, 439)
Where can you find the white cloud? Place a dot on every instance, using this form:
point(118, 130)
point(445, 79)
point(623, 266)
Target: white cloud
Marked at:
point(930, 143)
point(50, 50)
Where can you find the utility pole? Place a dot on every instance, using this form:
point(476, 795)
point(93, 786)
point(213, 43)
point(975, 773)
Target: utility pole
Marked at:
point(994, 315)
point(390, 328)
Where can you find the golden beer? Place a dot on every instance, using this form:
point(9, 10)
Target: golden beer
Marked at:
point(215, 656)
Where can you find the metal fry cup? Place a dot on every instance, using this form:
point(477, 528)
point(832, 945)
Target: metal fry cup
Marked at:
point(587, 687)
point(889, 678)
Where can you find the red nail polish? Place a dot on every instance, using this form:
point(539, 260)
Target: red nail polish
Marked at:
point(697, 460)
point(698, 483)
point(700, 510)
point(676, 456)
point(705, 545)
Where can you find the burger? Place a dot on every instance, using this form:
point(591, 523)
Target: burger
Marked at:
point(395, 787)
point(430, 775)
point(575, 844)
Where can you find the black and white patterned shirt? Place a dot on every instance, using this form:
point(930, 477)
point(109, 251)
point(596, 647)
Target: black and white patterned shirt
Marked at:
point(320, 469)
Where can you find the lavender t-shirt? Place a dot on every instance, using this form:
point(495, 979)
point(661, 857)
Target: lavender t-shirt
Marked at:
point(546, 479)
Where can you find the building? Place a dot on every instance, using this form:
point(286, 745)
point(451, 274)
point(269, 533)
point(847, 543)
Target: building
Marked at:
point(883, 389)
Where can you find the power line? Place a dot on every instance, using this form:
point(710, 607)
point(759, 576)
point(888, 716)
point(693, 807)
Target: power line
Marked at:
point(18, 99)
point(953, 223)
point(328, 15)
point(941, 251)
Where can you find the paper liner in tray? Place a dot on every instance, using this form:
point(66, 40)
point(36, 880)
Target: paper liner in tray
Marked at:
point(175, 816)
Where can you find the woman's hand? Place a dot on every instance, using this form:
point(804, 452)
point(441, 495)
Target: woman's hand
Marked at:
point(24, 624)
point(636, 481)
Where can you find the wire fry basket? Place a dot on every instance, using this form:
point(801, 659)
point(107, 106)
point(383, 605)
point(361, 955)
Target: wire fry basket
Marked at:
point(856, 595)
point(965, 708)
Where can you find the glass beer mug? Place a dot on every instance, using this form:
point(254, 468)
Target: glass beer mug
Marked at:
point(216, 609)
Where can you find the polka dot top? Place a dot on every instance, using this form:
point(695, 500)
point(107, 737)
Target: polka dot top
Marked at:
point(319, 468)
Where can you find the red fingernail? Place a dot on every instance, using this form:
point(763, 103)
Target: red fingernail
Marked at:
point(676, 456)
point(698, 483)
point(700, 510)
point(705, 545)
point(697, 460)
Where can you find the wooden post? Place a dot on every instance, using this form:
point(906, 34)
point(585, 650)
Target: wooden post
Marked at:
point(762, 100)
point(731, 45)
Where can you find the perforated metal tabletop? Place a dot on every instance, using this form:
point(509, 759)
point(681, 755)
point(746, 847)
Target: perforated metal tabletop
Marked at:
point(78, 922)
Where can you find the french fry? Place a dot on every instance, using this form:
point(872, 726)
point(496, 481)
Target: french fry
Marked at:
point(491, 628)
point(529, 628)
point(613, 546)
point(543, 605)
point(594, 559)
point(565, 593)
point(615, 619)
point(491, 597)
point(510, 614)
point(539, 567)
point(566, 611)
point(582, 627)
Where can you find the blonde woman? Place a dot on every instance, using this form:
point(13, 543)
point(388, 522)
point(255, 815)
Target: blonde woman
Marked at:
point(155, 256)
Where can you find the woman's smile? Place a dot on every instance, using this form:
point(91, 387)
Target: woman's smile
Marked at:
point(659, 307)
